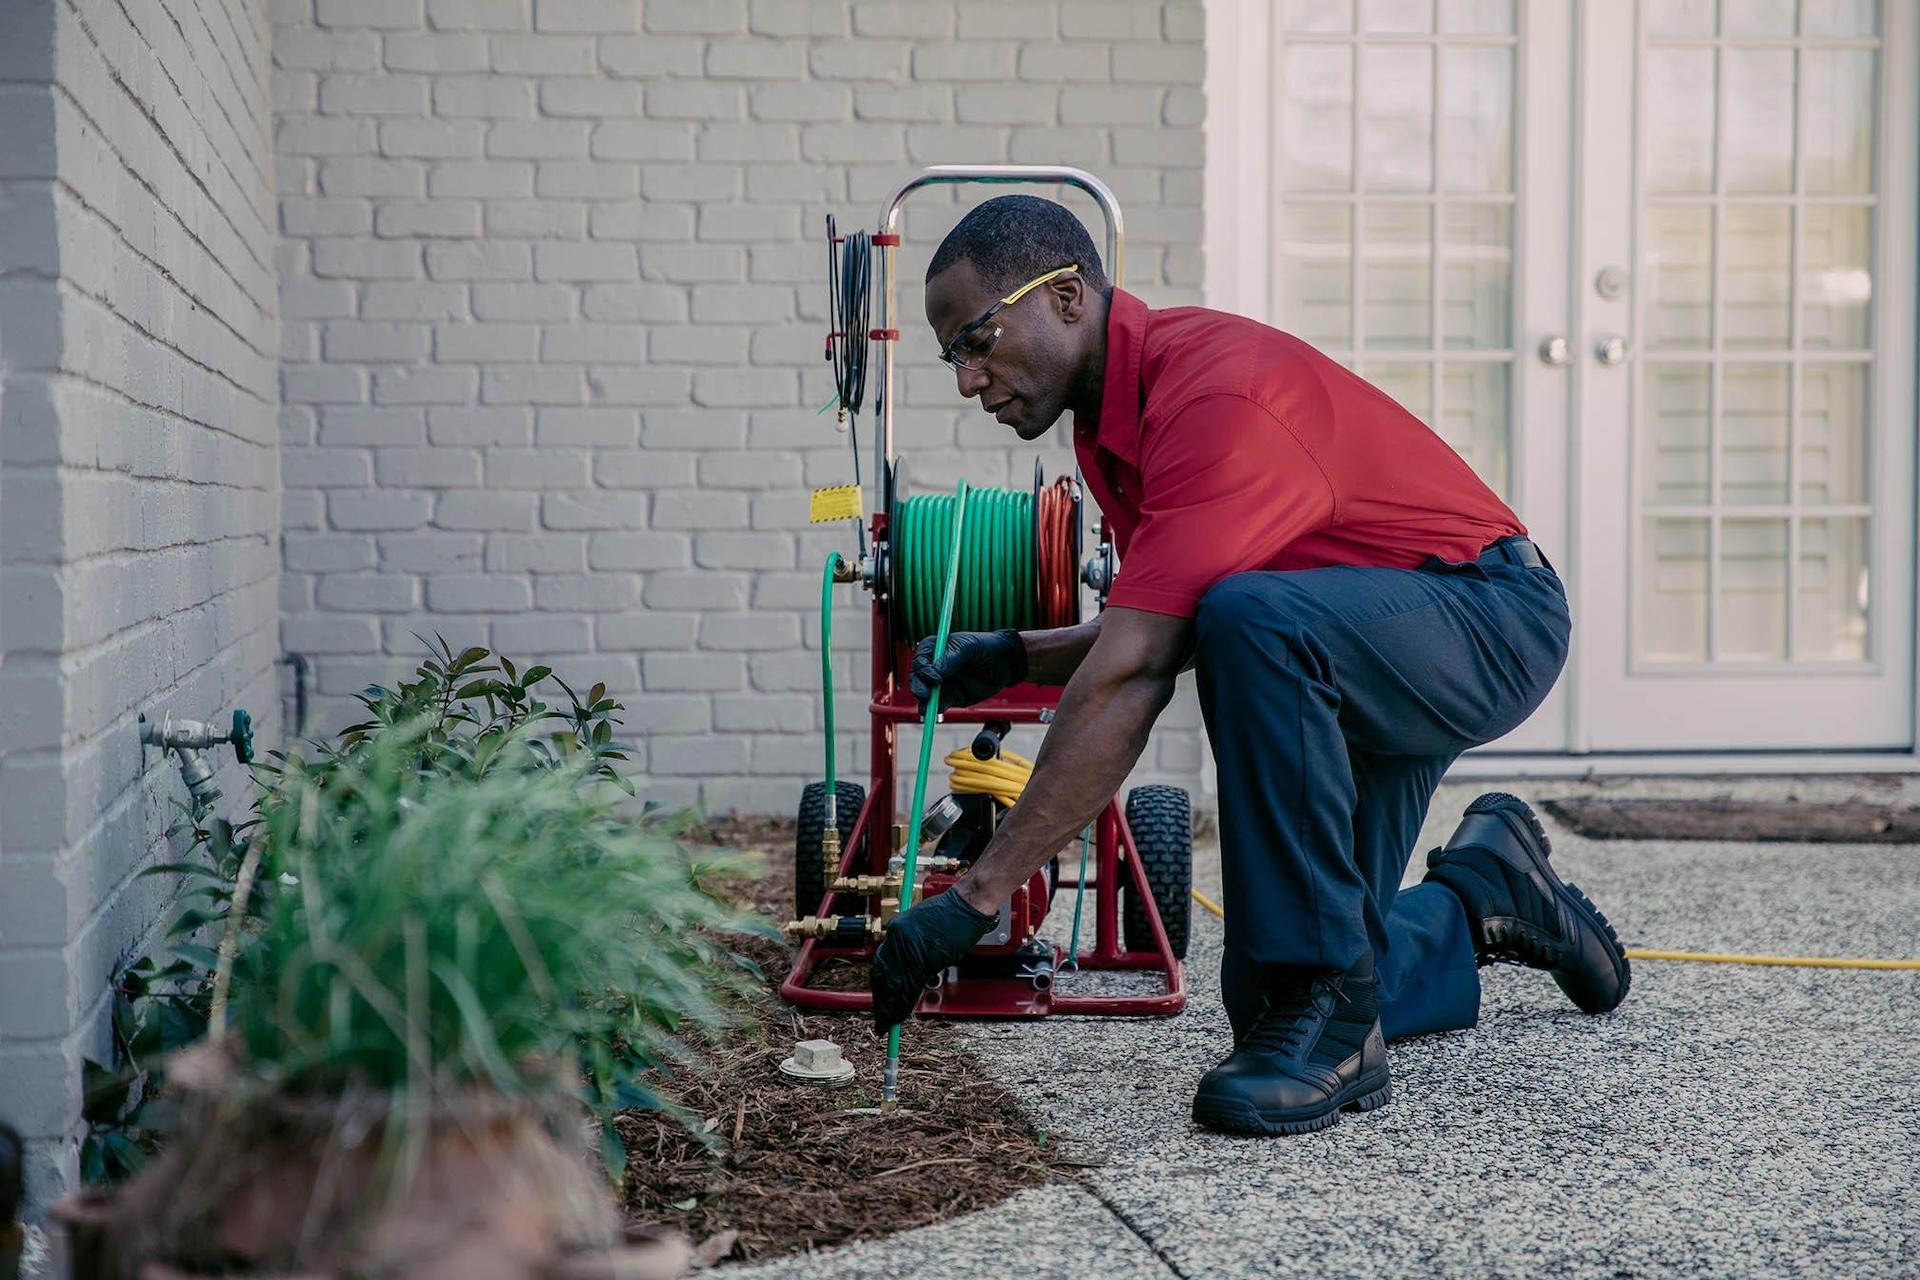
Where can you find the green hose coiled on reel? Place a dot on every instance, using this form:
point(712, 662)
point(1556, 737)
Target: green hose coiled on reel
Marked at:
point(998, 572)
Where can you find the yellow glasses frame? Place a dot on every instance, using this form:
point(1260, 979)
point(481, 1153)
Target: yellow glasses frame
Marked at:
point(972, 361)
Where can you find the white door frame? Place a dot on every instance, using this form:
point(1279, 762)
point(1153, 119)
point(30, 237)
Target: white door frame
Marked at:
point(1240, 157)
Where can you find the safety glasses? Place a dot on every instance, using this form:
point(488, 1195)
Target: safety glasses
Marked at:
point(975, 342)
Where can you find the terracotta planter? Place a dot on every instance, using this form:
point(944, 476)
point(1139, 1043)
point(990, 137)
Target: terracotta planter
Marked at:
point(475, 1187)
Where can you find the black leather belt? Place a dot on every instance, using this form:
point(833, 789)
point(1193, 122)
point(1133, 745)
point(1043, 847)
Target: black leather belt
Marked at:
point(1517, 549)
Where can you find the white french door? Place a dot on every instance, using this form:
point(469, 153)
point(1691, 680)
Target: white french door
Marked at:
point(1746, 521)
point(1637, 262)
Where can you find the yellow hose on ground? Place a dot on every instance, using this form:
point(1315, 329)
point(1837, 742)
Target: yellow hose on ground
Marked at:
point(1004, 779)
point(1706, 957)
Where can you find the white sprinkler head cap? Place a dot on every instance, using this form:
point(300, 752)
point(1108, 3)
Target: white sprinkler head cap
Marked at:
point(818, 1062)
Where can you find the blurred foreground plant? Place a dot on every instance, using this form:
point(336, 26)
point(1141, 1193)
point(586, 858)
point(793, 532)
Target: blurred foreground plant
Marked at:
point(454, 895)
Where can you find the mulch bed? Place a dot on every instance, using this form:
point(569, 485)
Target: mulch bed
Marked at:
point(794, 1167)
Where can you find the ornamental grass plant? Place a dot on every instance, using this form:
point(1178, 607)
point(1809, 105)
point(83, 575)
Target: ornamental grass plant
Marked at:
point(455, 918)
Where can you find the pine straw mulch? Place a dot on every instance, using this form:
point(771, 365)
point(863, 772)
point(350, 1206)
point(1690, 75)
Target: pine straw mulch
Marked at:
point(793, 1167)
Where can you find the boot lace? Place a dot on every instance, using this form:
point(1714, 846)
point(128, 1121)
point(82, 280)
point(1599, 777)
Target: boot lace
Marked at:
point(1289, 1017)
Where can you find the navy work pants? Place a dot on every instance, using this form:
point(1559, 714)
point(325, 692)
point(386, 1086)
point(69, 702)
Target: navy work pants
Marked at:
point(1335, 699)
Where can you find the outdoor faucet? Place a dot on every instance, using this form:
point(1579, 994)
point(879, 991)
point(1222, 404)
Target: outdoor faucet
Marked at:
point(187, 739)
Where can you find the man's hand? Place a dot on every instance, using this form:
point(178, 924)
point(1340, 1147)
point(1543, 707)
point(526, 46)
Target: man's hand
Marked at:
point(921, 941)
point(977, 665)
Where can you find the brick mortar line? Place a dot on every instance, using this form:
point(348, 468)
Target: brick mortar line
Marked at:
point(139, 104)
point(266, 269)
point(261, 181)
point(25, 654)
point(78, 378)
point(266, 314)
point(219, 375)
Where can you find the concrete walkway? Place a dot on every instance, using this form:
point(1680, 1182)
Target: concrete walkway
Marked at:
point(1726, 1121)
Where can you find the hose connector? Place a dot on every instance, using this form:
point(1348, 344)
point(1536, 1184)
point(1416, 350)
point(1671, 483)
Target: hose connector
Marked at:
point(830, 850)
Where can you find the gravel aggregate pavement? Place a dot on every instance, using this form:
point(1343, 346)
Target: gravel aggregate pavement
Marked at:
point(1725, 1121)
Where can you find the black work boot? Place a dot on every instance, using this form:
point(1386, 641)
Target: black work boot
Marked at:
point(1520, 911)
point(1315, 1050)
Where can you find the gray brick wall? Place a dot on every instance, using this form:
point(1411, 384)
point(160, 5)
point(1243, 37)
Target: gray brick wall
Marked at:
point(139, 463)
point(553, 298)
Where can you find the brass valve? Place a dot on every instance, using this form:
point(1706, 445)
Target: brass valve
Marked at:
point(829, 926)
point(867, 884)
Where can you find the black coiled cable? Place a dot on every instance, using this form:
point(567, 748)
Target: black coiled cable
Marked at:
point(849, 317)
point(849, 289)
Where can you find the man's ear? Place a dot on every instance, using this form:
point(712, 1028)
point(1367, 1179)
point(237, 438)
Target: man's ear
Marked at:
point(1071, 294)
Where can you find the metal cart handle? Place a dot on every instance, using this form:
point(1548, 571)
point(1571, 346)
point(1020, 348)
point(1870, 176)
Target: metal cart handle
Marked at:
point(950, 174)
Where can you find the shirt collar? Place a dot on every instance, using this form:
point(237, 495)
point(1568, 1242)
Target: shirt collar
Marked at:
point(1118, 428)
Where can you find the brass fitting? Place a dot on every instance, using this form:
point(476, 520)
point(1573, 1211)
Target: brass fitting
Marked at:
point(826, 927)
point(830, 851)
point(867, 884)
point(843, 569)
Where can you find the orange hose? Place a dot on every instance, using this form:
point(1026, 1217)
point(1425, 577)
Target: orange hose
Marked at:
point(1057, 577)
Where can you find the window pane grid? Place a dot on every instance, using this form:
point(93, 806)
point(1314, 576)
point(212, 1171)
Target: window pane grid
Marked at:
point(1772, 583)
point(1421, 207)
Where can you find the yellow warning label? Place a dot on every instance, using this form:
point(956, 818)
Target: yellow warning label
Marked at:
point(839, 502)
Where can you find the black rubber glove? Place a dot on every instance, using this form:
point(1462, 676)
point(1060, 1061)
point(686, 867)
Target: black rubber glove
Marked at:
point(921, 941)
point(977, 665)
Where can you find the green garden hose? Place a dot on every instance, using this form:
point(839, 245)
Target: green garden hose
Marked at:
point(826, 681)
point(997, 575)
point(890, 1082)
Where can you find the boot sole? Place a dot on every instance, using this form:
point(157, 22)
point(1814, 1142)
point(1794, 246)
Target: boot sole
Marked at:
point(1502, 802)
point(1224, 1116)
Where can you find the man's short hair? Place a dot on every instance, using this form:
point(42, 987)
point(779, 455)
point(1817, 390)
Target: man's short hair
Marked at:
point(1011, 239)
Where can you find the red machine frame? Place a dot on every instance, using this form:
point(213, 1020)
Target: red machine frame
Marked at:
point(869, 845)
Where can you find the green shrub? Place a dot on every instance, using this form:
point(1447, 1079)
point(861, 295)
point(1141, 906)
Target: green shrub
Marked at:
point(455, 894)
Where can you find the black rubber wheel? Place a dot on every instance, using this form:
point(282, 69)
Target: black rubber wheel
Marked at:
point(1161, 819)
point(809, 870)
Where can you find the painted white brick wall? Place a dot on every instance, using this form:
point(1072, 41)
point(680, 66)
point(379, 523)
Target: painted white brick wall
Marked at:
point(553, 298)
point(139, 509)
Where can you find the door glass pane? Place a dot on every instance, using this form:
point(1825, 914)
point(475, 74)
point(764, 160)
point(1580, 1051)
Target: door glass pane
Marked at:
point(1756, 249)
point(1679, 107)
point(1671, 608)
point(1320, 15)
point(1415, 16)
point(1836, 107)
point(1477, 17)
point(1753, 590)
point(1679, 440)
point(1316, 295)
point(1396, 249)
point(1756, 17)
point(1836, 286)
point(1679, 272)
point(1409, 382)
point(1830, 608)
point(1833, 433)
point(1838, 17)
point(1753, 433)
point(1396, 138)
point(1477, 275)
point(1759, 119)
point(1476, 127)
point(1316, 113)
point(1473, 417)
point(1679, 17)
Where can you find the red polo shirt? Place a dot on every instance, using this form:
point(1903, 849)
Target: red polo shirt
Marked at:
point(1224, 445)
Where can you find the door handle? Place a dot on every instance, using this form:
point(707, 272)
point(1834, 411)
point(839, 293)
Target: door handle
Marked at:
point(1554, 350)
point(1610, 350)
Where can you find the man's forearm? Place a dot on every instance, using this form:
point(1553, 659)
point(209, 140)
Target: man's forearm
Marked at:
point(1097, 735)
point(1054, 655)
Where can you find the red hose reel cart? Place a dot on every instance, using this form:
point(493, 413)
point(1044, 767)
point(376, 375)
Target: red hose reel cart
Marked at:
point(1139, 860)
